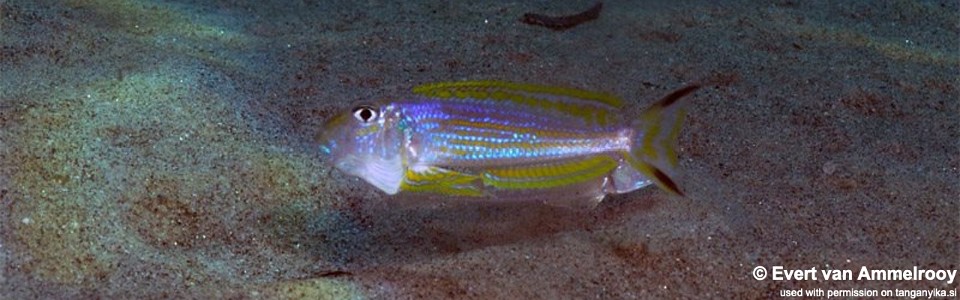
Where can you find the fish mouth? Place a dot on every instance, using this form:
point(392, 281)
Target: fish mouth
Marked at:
point(327, 147)
point(326, 150)
point(325, 141)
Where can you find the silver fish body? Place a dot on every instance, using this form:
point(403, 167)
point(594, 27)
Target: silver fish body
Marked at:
point(508, 141)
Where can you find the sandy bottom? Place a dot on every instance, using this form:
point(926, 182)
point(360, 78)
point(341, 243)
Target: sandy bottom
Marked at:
point(165, 150)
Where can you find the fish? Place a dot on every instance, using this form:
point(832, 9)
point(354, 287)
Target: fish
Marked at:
point(507, 141)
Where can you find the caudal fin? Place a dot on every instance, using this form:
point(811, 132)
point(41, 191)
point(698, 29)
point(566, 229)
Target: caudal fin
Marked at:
point(654, 151)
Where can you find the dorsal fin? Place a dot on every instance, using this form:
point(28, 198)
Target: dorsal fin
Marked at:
point(503, 90)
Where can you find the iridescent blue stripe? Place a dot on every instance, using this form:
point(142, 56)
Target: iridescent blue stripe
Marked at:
point(482, 132)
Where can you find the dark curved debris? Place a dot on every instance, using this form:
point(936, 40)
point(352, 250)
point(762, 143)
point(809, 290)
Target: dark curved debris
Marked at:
point(563, 22)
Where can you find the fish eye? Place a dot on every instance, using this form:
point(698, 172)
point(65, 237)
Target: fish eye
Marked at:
point(365, 114)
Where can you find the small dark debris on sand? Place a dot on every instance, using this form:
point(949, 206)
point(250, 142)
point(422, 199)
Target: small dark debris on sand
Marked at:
point(563, 22)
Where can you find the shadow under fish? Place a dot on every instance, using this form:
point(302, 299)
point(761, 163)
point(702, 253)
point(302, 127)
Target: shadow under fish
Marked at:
point(491, 163)
point(346, 242)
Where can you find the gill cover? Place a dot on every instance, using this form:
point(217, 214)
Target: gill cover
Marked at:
point(366, 142)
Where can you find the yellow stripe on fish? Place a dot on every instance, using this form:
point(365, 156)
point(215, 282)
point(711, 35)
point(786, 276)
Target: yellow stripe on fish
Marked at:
point(550, 175)
point(503, 90)
point(574, 102)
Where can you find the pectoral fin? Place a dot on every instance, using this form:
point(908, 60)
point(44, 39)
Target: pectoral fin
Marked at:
point(441, 181)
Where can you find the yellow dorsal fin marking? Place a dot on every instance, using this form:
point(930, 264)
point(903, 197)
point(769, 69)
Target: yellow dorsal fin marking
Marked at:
point(509, 90)
point(550, 175)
